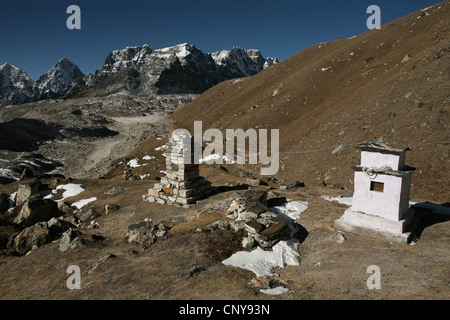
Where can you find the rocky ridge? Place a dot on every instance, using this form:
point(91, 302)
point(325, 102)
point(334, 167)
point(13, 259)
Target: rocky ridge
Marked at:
point(139, 70)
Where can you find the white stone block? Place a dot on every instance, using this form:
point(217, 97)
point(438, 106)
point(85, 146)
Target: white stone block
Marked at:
point(378, 159)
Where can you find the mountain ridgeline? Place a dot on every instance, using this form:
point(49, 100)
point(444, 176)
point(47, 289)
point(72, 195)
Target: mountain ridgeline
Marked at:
point(181, 69)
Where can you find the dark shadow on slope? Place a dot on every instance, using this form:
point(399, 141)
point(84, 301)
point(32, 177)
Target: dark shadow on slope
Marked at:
point(429, 214)
point(25, 134)
point(221, 189)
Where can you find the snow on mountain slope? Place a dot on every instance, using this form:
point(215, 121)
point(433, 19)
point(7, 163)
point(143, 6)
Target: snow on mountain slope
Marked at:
point(15, 85)
point(58, 77)
point(239, 62)
point(139, 70)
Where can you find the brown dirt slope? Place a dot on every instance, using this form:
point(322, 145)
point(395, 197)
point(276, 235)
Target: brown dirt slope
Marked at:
point(392, 82)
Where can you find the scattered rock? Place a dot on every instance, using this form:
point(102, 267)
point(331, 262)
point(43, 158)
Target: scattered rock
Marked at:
point(248, 242)
point(248, 214)
point(25, 191)
point(405, 59)
point(36, 209)
point(65, 208)
point(266, 282)
point(146, 233)
point(84, 214)
point(31, 238)
point(255, 182)
point(109, 208)
point(338, 237)
point(58, 226)
point(115, 190)
point(67, 240)
point(193, 272)
point(273, 194)
point(292, 186)
point(101, 261)
point(339, 147)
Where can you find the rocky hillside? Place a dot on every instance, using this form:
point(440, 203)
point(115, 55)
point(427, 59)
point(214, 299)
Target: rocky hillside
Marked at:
point(391, 83)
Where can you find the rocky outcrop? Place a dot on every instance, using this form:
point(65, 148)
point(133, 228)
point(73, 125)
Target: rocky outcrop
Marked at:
point(31, 238)
point(248, 212)
point(146, 233)
point(27, 190)
point(36, 210)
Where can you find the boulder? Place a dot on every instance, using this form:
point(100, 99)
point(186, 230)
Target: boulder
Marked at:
point(68, 239)
point(25, 191)
point(255, 182)
point(31, 238)
point(109, 208)
point(58, 226)
point(35, 210)
point(84, 214)
point(292, 186)
point(248, 242)
point(143, 233)
point(65, 208)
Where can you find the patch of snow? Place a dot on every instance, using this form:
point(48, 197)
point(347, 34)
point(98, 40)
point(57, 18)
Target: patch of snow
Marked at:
point(160, 148)
point(133, 163)
point(324, 69)
point(343, 200)
point(275, 291)
point(210, 159)
point(349, 200)
point(82, 203)
point(148, 158)
point(262, 262)
point(427, 8)
point(12, 200)
point(7, 173)
point(71, 190)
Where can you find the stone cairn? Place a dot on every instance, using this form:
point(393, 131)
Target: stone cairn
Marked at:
point(182, 184)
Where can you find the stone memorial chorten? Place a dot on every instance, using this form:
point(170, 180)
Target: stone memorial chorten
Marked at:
point(380, 205)
point(182, 184)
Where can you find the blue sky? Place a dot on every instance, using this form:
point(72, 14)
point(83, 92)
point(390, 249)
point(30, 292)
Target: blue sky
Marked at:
point(34, 35)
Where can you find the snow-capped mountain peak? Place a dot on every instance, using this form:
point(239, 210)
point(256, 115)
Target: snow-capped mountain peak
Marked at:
point(241, 62)
point(181, 51)
point(15, 85)
point(58, 77)
point(118, 60)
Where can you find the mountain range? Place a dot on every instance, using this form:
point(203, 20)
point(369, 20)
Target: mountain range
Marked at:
point(180, 69)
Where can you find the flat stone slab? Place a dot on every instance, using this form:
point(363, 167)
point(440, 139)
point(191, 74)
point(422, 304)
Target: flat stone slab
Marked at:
point(374, 227)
